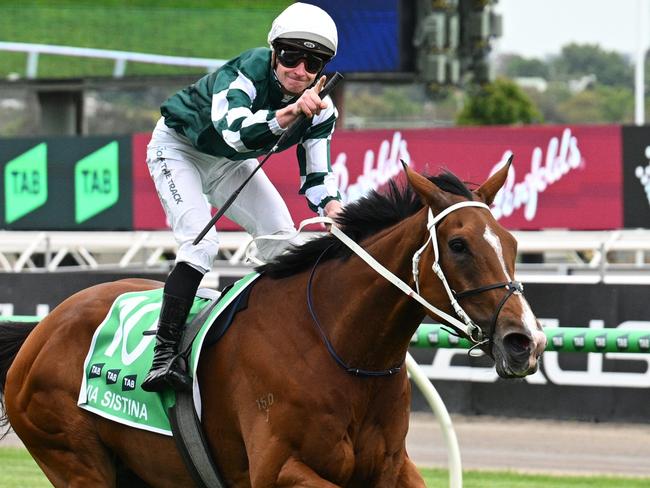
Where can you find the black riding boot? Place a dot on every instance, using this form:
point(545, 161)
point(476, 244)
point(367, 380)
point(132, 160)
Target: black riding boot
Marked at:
point(165, 369)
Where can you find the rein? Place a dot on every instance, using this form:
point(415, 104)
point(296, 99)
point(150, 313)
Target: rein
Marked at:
point(328, 344)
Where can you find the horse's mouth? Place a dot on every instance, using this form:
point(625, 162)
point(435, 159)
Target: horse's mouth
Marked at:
point(507, 371)
point(516, 356)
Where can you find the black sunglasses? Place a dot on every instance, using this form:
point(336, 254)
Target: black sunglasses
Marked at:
point(290, 58)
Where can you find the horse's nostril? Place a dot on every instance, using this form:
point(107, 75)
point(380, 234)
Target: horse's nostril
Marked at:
point(517, 343)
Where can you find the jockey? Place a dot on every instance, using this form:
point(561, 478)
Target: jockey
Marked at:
point(206, 144)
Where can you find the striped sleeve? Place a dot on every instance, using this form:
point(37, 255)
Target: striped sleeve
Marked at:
point(231, 114)
point(317, 182)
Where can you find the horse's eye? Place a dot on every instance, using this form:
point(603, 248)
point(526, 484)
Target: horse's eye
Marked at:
point(457, 245)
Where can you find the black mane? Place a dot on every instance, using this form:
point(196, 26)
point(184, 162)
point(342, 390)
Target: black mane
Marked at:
point(359, 220)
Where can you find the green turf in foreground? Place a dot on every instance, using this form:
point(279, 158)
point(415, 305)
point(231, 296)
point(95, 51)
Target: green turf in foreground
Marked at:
point(18, 470)
point(508, 479)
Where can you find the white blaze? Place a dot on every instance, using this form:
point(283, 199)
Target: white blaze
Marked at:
point(527, 316)
point(494, 241)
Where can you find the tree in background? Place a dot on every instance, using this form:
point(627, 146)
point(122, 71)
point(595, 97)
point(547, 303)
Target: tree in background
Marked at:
point(551, 101)
point(501, 102)
point(609, 67)
point(586, 84)
point(518, 66)
point(601, 104)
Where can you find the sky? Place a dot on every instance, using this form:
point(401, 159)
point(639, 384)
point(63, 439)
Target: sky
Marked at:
point(538, 28)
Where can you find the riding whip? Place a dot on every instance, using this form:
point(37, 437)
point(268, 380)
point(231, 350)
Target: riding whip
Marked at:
point(293, 128)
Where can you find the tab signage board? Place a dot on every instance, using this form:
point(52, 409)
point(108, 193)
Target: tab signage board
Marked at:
point(66, 183)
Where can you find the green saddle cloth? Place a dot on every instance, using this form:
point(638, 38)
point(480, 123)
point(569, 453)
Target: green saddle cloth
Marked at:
point(120, 356)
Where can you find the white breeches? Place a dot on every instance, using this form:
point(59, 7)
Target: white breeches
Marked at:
point(185, 178)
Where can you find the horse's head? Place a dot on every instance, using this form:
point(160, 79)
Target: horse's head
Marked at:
point(474, 258)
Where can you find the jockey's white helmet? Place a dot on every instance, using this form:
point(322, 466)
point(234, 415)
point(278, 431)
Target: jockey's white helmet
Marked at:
point(310, 25)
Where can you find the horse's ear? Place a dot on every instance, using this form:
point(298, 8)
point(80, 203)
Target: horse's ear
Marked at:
point(430, 194)
point(488, 190)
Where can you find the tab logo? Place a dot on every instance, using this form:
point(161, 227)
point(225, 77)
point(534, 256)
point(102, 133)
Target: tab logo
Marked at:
point(96, 182)
point(25, 183)
point(111, 376)
point(579, 341)
point(96, 370)
point(128, 383)
point(558, 341)
point(644, 343)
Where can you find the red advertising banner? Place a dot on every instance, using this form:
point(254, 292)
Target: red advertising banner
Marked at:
point(563, 176)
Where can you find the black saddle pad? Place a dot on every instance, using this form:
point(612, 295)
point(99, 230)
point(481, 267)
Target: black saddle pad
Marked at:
point(225, 318)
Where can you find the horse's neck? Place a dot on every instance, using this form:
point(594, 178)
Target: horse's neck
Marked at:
point(370, 321)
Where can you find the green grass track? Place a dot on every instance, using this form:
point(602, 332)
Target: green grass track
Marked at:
point(18, 470)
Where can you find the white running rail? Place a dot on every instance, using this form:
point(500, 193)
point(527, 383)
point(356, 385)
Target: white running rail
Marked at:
point(120, 57)
point(569, 256)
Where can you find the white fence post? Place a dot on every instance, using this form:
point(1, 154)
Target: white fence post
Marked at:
point(32, 65)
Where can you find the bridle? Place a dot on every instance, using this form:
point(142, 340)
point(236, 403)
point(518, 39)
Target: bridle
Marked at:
point(473, 331)
point(512, 287)
point(466, 328)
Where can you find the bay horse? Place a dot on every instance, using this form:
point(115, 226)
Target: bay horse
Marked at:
point(278, 408)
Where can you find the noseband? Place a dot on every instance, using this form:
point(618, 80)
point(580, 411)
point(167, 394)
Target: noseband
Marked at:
point(511, 287)
point(473, 332)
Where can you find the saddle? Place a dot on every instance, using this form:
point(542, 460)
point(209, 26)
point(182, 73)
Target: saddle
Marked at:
point(120, 353)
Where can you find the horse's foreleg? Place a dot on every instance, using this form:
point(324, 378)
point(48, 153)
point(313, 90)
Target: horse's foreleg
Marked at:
point(409, 476)
point(296, 474)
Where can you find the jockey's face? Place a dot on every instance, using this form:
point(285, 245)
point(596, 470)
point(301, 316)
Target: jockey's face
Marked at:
point(294, 80)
